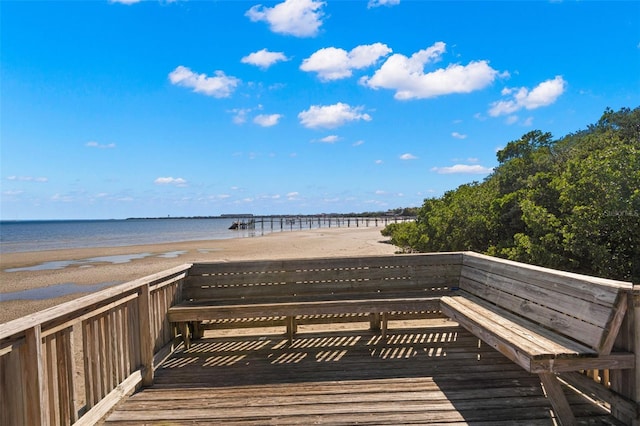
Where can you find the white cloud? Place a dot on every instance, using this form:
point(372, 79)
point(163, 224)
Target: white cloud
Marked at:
point(330, 139)
point(408, 156)
point(13, 193)
point(300, 18)
point(463, 168)
point(170, 181)
point(127, 2)
point(220, 86)
point(379, 162)
point(293, 195)
point(543, 94)
point(458, 135)
point(406, 75)
point(264, 58)
point(62, 198)
point(94, 144)
point(267, 120)
point(358, 143)
point(378, 3)
point(332, 63)
point(240, 115)
point(331, 116)
point(28, 179)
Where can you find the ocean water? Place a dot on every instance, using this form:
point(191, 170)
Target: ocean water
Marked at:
point(25, 236)
point(28, 236)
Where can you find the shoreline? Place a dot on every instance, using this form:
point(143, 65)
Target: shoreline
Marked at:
point(125, 263)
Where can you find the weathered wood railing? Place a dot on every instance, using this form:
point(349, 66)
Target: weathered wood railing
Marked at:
point(73, 362)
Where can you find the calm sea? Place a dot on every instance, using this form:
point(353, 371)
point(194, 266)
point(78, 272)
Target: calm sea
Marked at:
point(24, 236)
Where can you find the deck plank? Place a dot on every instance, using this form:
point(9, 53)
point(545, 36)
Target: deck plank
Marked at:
point(435, 375)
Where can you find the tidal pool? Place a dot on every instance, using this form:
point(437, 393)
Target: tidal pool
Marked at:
point(87, 263)
point(54, 291)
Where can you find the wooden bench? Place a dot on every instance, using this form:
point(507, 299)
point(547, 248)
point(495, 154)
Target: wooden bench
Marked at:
point(286, 292)
point(546, 321)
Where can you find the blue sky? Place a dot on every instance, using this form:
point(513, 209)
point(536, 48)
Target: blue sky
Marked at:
point(114, 109)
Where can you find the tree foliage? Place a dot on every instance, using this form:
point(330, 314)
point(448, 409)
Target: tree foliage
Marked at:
point(571, 203)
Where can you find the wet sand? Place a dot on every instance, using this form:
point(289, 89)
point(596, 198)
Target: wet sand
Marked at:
point(91, 266)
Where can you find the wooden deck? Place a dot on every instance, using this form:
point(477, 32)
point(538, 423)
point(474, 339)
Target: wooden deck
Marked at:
point(436, 373)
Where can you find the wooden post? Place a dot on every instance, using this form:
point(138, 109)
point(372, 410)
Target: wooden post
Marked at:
point(635, 314)
point(627, 382)
point(146, 340)
point(634, 321)
point(36, 404)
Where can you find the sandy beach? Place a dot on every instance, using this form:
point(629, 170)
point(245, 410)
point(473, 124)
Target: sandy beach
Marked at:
point(90, 266)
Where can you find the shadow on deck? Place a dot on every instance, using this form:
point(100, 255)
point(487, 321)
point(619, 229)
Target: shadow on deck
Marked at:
point(438, 374)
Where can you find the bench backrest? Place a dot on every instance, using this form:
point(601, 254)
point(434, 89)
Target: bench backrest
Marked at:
point(586, 309)
point(424, 274)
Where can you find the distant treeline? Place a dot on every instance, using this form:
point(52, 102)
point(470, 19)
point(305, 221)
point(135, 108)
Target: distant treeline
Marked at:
point(571, 204)
point(401, 211)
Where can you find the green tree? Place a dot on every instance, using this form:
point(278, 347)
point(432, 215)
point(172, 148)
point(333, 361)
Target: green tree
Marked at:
point(572, 203)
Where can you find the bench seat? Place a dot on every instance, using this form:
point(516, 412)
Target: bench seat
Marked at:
point(533, 347)
point(202, 312)
point(546, 321)
point(193, 312)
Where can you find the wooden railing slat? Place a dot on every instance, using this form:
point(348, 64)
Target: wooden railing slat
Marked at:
point(66, 362)
point(146, 340)
point(37, 412)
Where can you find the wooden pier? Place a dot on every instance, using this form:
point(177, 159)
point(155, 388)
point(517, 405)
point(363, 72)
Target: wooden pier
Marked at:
point(116, 349)
point(267, 224)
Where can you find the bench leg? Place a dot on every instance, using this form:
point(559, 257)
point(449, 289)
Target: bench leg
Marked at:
point(184, 330)
point(385, 324)
point(558, 399)
point(197, 332)
point(374, 321)
point(292, 328)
